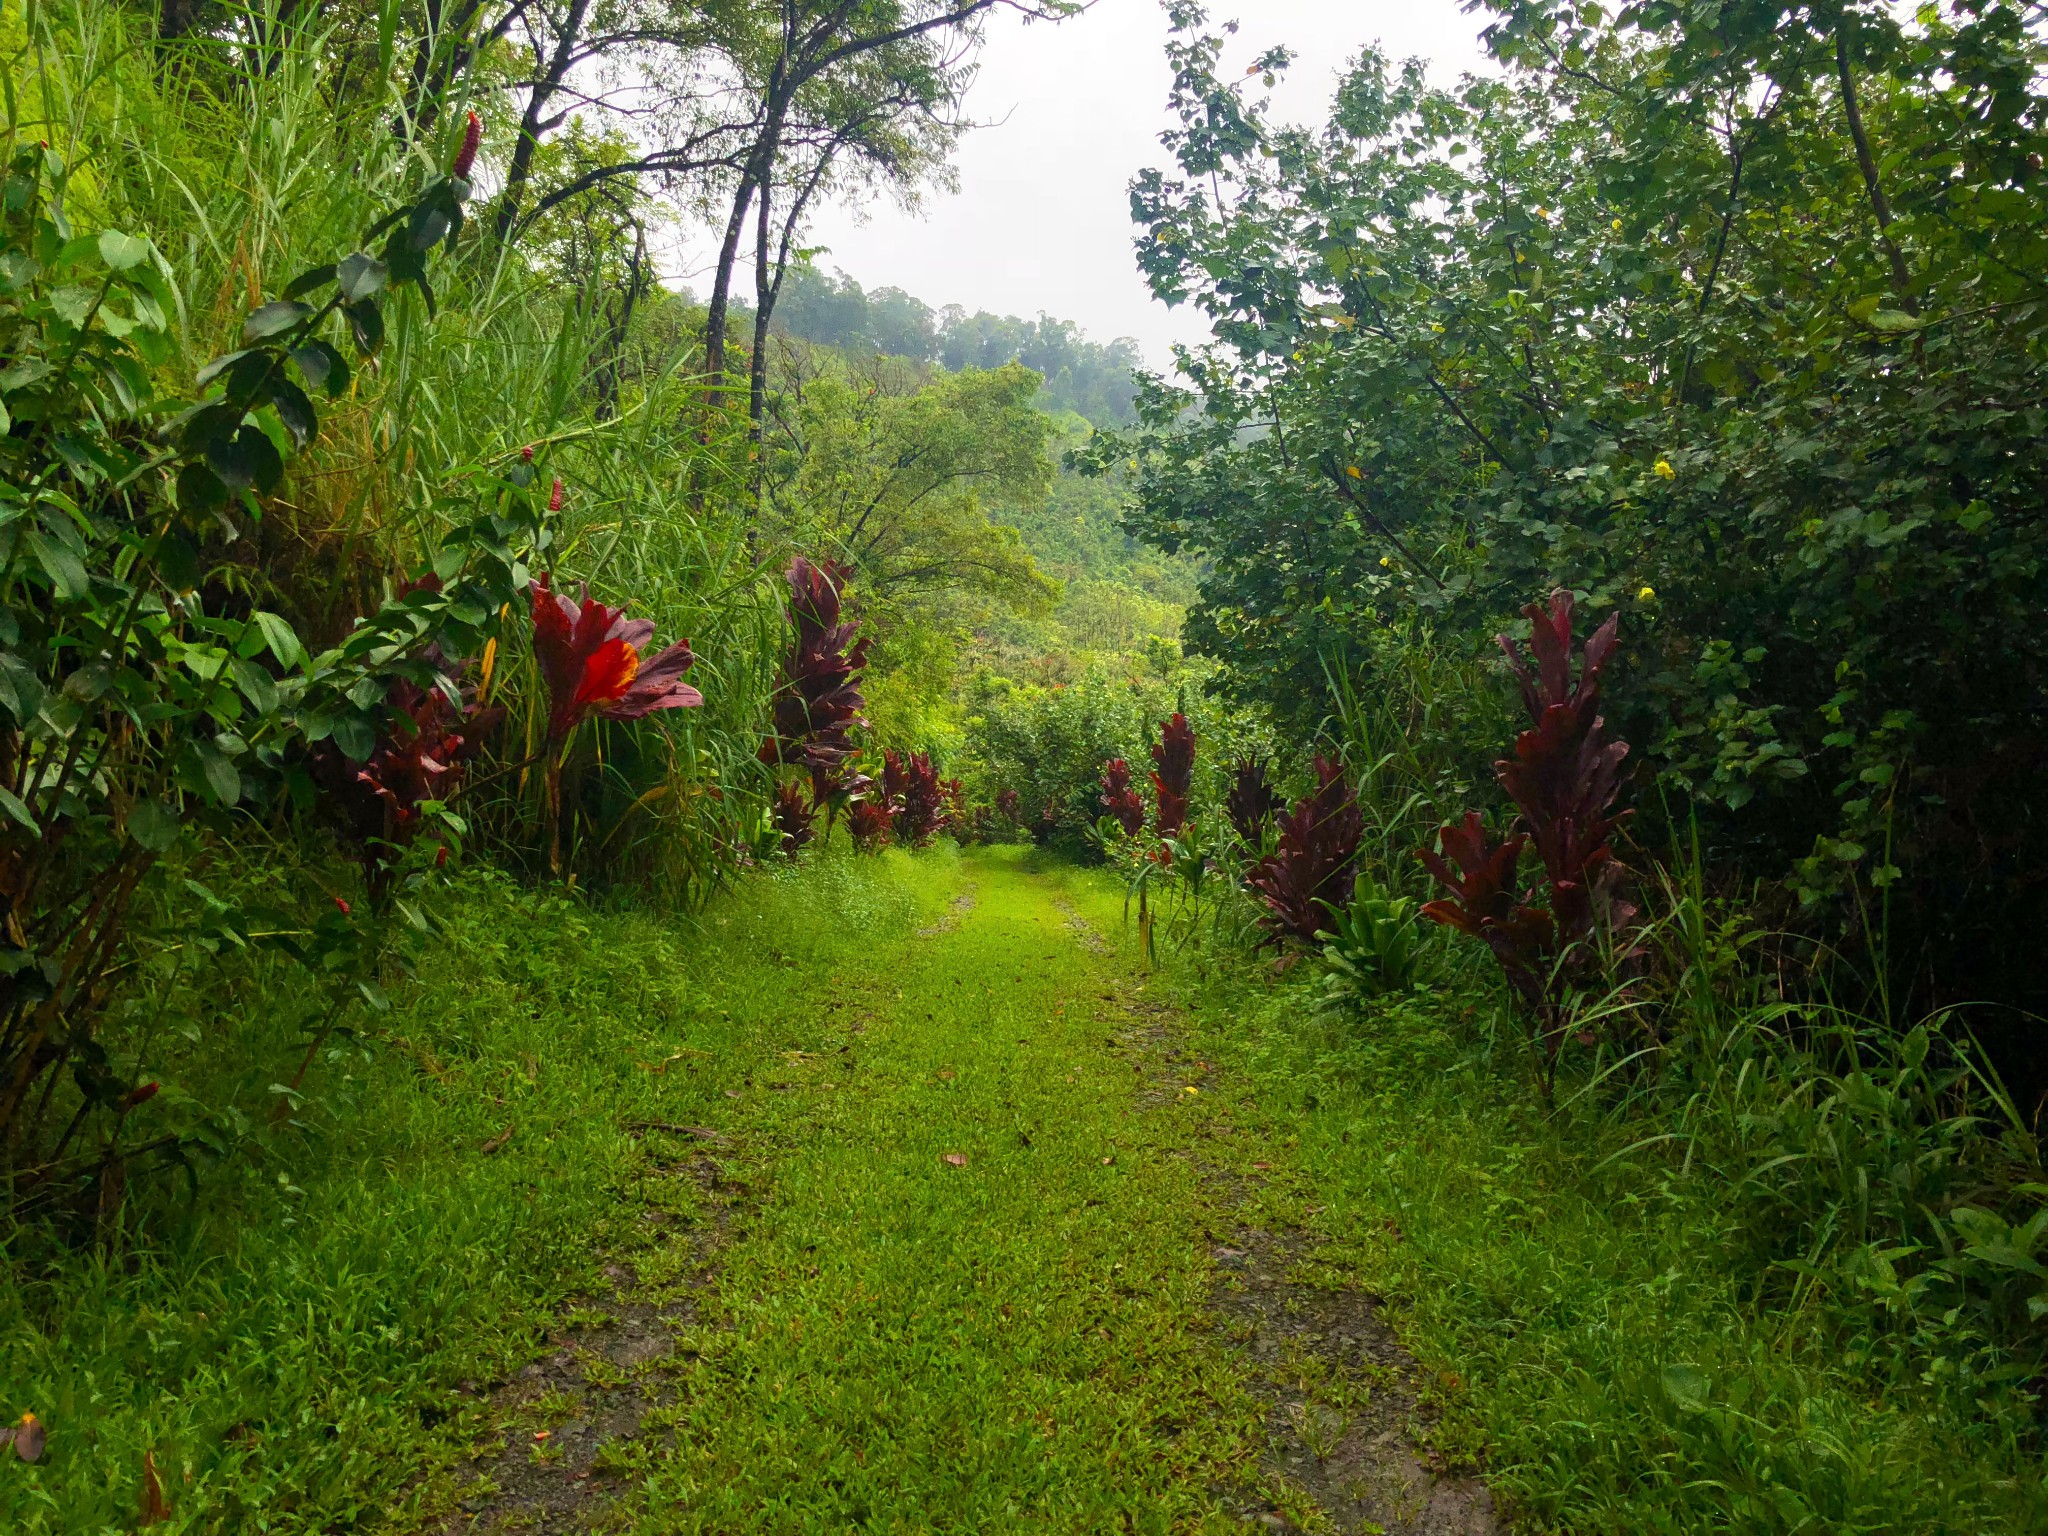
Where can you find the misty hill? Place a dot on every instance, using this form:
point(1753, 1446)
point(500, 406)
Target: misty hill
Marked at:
point(1090, 378)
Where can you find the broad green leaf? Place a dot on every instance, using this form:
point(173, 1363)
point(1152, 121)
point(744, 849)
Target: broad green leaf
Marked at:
point(65, 570)
point(257, 686)
point(274, 318)
point(1687, 1386)
point(353, 733)
point(12, 804)
point(360, 277)
point(246, 461)
point(282, 640)
point(222, 778)
point(122, 252)
point(153, 824)
point(306, 282)
point(323, 367)
point(217, 367)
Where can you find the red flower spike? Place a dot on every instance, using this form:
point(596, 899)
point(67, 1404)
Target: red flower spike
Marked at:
point(590, 656)
point(341, 906)
point(1174, 760)
point(555, 497)
point(526, 454)
point(140, 1095)
point(472, 139)
point(1312, 868)
point(1119, 799)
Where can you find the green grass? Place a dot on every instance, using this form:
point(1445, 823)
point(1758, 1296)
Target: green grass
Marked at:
point(282, 1347)
point(895, 1342)
point(1608, 1348)
point(898, 1342)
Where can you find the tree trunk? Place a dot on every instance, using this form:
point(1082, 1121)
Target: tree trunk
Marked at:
point(1866, 162)
point(530, 123)
point(757, 173)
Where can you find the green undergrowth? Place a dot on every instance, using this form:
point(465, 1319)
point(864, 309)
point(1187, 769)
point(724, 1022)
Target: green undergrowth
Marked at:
point(289, 1345)
point(1604, 1348)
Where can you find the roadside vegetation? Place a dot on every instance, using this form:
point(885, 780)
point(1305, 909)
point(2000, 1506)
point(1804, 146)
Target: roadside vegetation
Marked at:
point(1504, 783)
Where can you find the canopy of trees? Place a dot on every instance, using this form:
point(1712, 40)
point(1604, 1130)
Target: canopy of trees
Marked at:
point(1731, 318)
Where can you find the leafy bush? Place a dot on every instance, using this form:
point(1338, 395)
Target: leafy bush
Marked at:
point(817, 700)
point(1371, 948)
point(1777, 398)
point(915, 796)
point(1048, 745)
point(795, 817)
point(141, 698)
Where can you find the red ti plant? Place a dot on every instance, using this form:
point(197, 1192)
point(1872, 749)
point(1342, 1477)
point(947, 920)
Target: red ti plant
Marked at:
point(1173, 759)
point(915, 797)
point(817, 700)
point(1010, 805)
point(1563, 778)
point(1315, 862)
point(867, 818)
point(591, 658)
point(1251, 801)
point(794, 815)
point(420, 758)
point(1119, 799)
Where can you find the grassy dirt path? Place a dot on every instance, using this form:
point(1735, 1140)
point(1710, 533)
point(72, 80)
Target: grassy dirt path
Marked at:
point(975, 1247)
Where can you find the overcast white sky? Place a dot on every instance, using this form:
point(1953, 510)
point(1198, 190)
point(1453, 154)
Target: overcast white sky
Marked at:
point(1042, 220)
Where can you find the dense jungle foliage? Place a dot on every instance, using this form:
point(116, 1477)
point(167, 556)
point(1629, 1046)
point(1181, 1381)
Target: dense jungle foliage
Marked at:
point(1554, 687)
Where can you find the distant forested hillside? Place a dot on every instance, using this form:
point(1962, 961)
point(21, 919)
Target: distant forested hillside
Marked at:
point(1090, 378)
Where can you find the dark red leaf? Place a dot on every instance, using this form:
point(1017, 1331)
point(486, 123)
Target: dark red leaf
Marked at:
point(1317, 858)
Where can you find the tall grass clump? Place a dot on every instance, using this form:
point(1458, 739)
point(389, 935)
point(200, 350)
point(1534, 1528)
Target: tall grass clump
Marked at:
point(270, 665)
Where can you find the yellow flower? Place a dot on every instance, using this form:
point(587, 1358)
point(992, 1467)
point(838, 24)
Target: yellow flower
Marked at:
point(1354, 471)
point(1647, 595)
point(1663, 471)
point(1387, 561)
point(1617, 226)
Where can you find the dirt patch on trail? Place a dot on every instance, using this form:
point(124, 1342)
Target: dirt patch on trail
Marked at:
point(1083, 931)
point(570, 1425)
point(962, 905)
point(1344, 1401)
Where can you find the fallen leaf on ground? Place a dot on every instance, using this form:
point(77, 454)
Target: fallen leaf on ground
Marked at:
point(29, 1438)
point(957, 1159)
point(497, 1142)
point(1107, 1161)
point(154, 1510)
